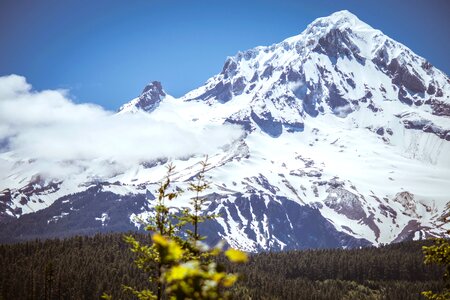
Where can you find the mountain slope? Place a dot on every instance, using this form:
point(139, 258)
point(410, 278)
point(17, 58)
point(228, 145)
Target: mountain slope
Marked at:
point(346, 142)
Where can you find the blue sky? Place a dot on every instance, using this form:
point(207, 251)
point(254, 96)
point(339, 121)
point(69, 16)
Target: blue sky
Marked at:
point(105, 51)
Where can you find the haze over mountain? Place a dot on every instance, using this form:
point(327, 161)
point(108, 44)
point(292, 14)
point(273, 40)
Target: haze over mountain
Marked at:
point(336, 137)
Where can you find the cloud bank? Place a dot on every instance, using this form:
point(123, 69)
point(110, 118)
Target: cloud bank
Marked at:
point(47, 128)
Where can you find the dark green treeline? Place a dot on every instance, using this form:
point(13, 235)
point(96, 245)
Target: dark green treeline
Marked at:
point(85, 267)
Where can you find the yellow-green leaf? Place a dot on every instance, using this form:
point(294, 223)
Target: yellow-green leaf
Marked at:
point(236, 256)
point(160, 240)
point(229, 280)
point(175, 251)
point(177, 273)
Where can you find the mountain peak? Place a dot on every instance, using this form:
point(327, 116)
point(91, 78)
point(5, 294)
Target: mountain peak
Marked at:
point(149, 99)
point(339, 20)
point(342, 23)
point(154, 87)
point(343, 15)
point(339, 65)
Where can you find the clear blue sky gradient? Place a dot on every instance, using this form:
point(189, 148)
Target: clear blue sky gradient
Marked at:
point(105, 51)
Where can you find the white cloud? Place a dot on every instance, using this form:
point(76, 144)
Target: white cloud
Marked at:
point(52, 131)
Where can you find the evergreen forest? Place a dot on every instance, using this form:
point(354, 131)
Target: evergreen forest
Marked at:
point(83, 267)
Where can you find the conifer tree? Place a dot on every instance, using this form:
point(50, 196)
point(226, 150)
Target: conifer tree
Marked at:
point(194, 216)
point(48, 283)
point(163, 224)
point(439, 254)
point(176, 265)
point(197, 202)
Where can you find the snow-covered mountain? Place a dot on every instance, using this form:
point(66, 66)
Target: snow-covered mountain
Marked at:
point(346, 142)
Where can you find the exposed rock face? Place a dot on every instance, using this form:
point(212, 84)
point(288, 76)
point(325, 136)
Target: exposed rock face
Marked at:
point(415, 122)
point(409, 231)
point(267, 123)
point(406, 199)
point(229, 68)
point(32, 195)
point(345, 202)
point(5, 202)
point(221, 91)
point(337, 44)
point(149, 99)
point(402, 76)
point(440, 108)
point(151, 96)
point(380, 131)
